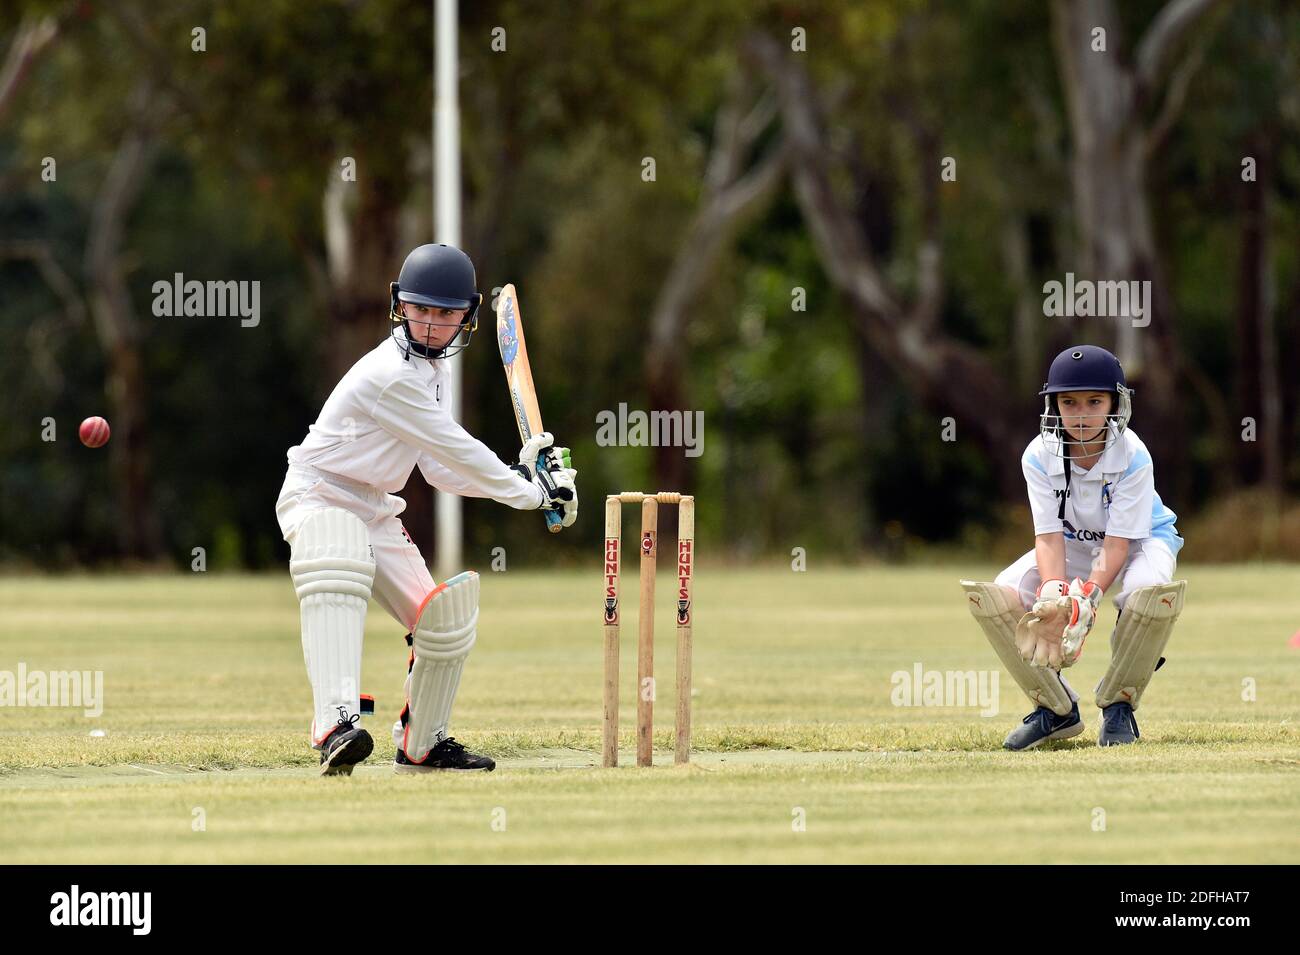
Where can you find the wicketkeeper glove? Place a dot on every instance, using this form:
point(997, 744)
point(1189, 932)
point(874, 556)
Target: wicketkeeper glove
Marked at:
point(1084, 598)
point(1051, 635)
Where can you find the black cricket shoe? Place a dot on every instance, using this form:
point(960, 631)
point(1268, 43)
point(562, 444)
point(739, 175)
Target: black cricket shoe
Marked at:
point(448, 754)
point(1042, 725)
point(346, 746)
point(1118, 725)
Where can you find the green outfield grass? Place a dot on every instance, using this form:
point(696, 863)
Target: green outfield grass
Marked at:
point(801, 755)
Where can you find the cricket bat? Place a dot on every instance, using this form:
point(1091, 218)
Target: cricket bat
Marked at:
point(519, 380)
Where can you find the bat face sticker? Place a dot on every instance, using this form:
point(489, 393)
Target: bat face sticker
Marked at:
point(507, 338)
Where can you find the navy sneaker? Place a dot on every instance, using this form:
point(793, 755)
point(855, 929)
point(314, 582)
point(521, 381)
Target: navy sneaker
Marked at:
point(1118, 725)
point(346, 746)
point(448, 754)
point(1042, 725)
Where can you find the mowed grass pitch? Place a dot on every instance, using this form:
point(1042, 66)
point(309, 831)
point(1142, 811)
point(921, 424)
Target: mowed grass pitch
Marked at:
point(801, 755)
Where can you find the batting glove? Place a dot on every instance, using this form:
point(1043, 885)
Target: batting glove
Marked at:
point(533, 448)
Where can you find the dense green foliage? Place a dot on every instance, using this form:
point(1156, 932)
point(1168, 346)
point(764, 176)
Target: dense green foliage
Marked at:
point(811, 438)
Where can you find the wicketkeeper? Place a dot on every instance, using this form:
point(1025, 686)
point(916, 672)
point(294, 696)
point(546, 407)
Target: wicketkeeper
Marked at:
point(1099, 526)
point(338, 511)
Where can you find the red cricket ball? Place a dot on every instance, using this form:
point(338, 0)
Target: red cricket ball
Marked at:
point(94, 432)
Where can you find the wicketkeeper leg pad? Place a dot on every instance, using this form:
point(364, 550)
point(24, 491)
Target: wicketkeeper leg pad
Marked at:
point(441, 640)
point(333, 569)
point(998, 615)
point(1139, 641)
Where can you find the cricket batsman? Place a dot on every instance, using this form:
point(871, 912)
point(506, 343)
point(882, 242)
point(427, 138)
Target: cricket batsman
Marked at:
point(339, 514)
point(1099, 527)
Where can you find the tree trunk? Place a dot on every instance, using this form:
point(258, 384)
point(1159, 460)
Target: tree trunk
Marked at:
point(139, 529)
point(873, 421)
point(33, 37)
point(1026, 342)
point(1108, 94)
point(1249, 307)
point(731, 196)
point(943, 372)
point(1259, 298)
point(361, 229)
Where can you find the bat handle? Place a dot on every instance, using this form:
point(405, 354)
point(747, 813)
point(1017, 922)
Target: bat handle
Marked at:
point(554, 515)
point(553, 520)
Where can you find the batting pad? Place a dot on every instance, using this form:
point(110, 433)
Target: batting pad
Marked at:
point(1139, 640)
point(333, 568)
point(442, 639)
point(998, 615)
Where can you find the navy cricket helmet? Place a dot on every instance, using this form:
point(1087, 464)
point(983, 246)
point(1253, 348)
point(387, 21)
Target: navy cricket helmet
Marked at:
point(436, 276)
point(1084, 368)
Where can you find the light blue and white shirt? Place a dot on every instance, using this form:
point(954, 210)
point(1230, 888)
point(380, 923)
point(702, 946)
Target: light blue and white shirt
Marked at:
point(1116, 496)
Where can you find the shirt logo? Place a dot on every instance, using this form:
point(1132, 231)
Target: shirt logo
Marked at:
point(1081, 534)
point(1105, 495)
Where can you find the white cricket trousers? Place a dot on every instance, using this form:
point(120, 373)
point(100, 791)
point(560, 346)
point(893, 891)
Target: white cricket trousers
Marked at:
point(1150, 561)
point(402, 581)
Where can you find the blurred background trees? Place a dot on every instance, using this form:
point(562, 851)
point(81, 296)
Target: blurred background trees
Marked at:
point(797, 269)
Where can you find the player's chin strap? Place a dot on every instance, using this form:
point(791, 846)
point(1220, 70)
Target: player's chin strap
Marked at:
point(1062, 436)
point(1068, 459)
point(1069, 466)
